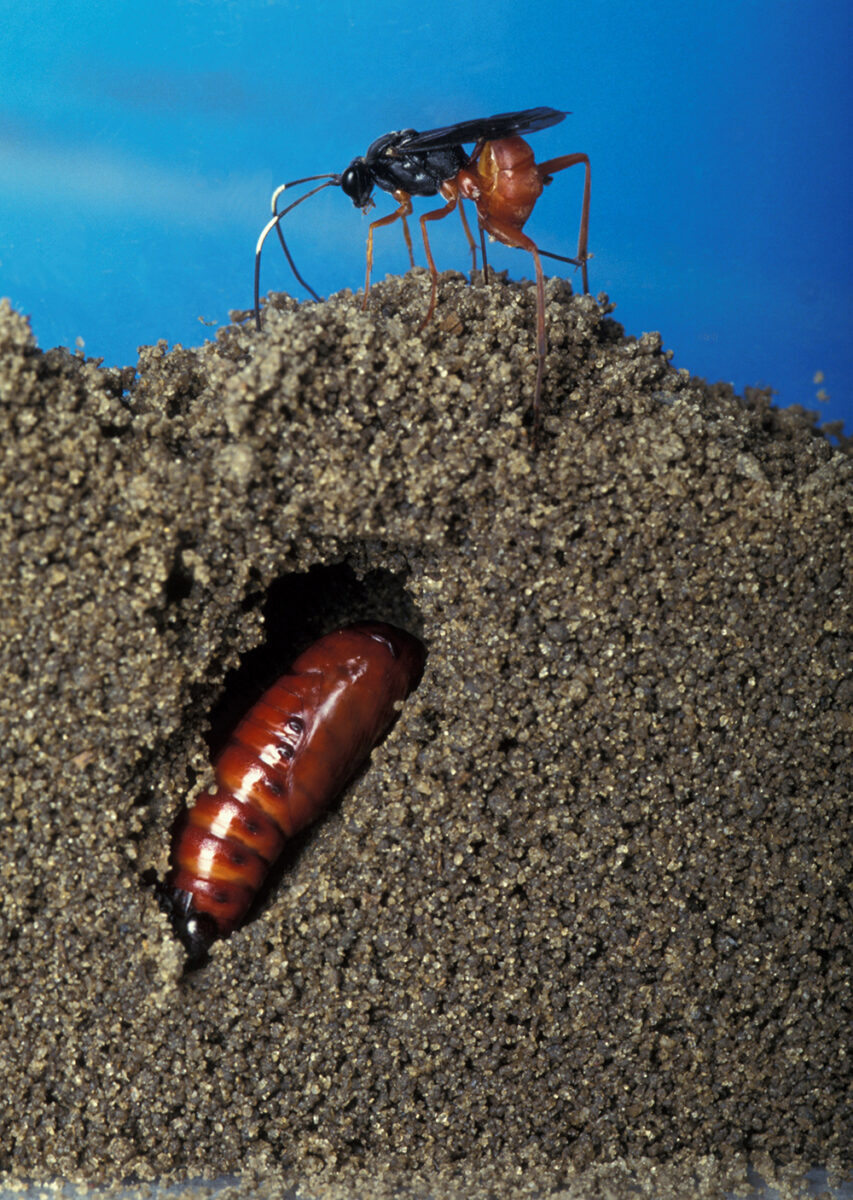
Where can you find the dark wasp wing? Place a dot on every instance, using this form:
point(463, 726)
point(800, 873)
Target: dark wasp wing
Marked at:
point(488, 129)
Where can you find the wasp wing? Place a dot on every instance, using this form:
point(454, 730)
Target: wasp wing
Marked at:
point(487, 129)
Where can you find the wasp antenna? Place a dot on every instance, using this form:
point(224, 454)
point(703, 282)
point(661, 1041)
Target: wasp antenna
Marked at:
point(282, 187)
point(274, 223)
point(258, 250)
point(274, 199)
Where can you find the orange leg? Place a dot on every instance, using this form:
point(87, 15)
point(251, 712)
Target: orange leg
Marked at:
point(510, 236)
point(551, 167)
point(451, 194)
point(483, 248)
point(408, 238)
point(404, 201)
point(471, 243)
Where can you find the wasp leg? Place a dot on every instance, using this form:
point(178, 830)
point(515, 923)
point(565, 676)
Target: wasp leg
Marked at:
point(450, 192)
point(483, 248)
point(551, 167)
point(471, 244)
point(404, 200)
point(510, 236)
point(408, 238)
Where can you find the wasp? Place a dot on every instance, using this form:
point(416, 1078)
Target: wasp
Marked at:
point(499, 175)
point(284, 764)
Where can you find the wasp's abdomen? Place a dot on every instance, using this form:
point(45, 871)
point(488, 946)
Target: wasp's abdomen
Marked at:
point(514, 183)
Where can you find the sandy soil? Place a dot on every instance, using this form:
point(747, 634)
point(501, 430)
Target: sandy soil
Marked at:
point(583, 923)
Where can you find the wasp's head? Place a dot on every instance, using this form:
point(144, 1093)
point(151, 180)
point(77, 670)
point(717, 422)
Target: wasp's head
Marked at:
point(357, 182)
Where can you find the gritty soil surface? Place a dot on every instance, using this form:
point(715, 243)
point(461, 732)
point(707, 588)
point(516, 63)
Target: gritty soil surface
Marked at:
point(583, 922)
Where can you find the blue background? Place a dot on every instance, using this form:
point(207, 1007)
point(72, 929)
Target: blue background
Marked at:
point(139, 148)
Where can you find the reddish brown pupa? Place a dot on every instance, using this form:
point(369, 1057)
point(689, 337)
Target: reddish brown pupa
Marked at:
point(285, 763)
